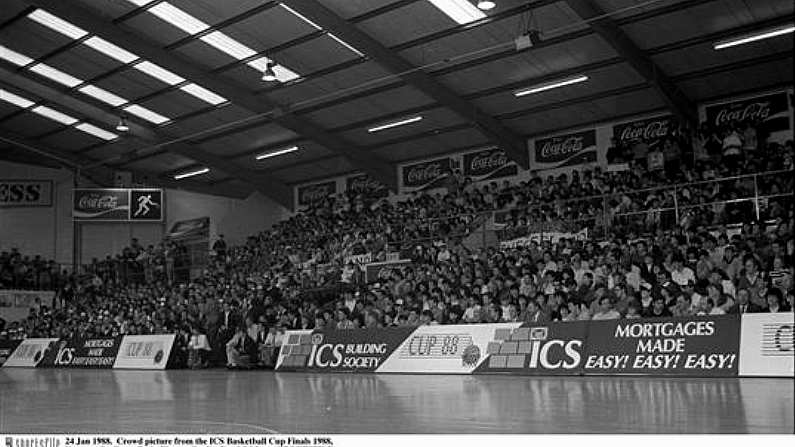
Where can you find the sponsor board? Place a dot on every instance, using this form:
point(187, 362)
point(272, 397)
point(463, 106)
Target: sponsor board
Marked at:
point(18, 193)
point(453, 349)
point(652, 131)
point(488, 164)
point(766, 345)
point(25, 298)
point(355, 350)
point(363, 184)
point(7, 347)
point(549, 349)
point(198, 228)
point(359, 259)
point(310, 194)
point(698, 346)
point(95, 352)
point(770, 111)
point(291, 345)
point(379, 271)
point(552, 236)
point(144, 351)
point(568, 150)
point(427, 175)
point(118, 205)
point(29, 353)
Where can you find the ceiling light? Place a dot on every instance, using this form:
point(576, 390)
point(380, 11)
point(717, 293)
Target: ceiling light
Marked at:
point(18, 101)
point(346, 44)
point(283, 74)
point(14, 57)
point(277, 152)
point(159, 73)
point(102, 95)
point(54, 115)
point(748, 38)
point(317, 27)
point(57, 24)
point(485, 5)
point(550, 85)
point(395, 124)
point(191, 173)
point(56, 75)
point(203, 94)
point(146, 114)
point(178, 18)
point(97, 132)
point(461, 11)
point(226, 44)
point(122, 126)
point(269, 75)
point(110, 50)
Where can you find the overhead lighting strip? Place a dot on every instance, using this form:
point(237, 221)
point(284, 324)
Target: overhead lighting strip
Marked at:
point(754, 37)
point(120, 54)
point(277, 152)
point(402, 122)
point(461, 11)
point(317, 27)
point(191, 173)
point(551, 85)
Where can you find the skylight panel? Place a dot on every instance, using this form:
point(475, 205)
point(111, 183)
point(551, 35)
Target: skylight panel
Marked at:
point(56, 75)
point(203, 94)
point(159, 73)
point(96, 131)
point(57, 24)
point(461, 11)
point(14, 57)
point(226, 44)
point(179, 18)
point(103, 95)
point(54, 115)
point(143, 112)
point(110, 50)
point(17, 100)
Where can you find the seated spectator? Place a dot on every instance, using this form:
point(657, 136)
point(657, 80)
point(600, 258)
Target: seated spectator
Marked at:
point(198, 349)
point(241, 350)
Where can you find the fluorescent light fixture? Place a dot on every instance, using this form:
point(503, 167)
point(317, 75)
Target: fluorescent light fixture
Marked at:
point(226, 44)
point(57, 24)
point(760, 35)
point(550, 85)
point(402, 122)
point(461, 11)
point(203, 94)
point(96, 131)
point(485, 5)
point(158, 73)
point(54, 115)
point(143, 112)
point(283, 74)
point(346, 44)
point(14, 57)
point(317, 27)
point(191, 173)
point(102, 95)
point(17, 100)
point(177, 17)
point(56, 75)
point(277, 152)
point(110, 50)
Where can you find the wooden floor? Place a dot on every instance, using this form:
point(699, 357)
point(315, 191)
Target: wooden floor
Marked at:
point(218, 401)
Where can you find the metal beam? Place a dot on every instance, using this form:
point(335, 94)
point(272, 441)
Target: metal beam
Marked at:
point(612, 33)
point(86, 19)
point(512, 144)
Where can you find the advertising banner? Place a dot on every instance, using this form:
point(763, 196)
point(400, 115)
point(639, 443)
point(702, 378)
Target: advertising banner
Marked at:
point(309, 194)
point(25, 298)
point(99, 352)
point(766, 345)
point(568, 150)
point(18, 193)
point(29, 353)
point(427, 175)
point(552, 236)
point(192, 229)
point(378, 271)
point(770, 112)
point(363, 184)
point(454, 349)
point(144, 351)
point(7, 347)
point(697, 346)
point(652, 131)
point(359, 259)
point(118, 205)
point(488, 164)
point(352, 351)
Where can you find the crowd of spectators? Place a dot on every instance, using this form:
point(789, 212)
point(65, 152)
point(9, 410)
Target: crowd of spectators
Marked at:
point(20, 271)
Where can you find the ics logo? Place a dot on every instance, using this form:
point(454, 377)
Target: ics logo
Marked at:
point(470, 356)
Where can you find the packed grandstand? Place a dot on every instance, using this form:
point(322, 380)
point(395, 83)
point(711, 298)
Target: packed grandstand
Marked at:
point(706, 234)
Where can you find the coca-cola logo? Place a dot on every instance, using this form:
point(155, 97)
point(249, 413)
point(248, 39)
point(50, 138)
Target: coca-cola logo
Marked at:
point(314, 193)
point(96, 201)
point(363, 184)
point(751, 112)
point(652, 130)
point(488, 161)
point(556, 148)
point(424, 173)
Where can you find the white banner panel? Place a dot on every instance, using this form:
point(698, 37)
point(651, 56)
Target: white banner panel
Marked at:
point(144, 351)
point(29, 353)
point(292, 340)
point(766, 345)
point(453, 349)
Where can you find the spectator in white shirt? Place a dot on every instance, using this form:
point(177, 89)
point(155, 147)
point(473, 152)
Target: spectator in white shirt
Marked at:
point(606, 311)
point(681, 274)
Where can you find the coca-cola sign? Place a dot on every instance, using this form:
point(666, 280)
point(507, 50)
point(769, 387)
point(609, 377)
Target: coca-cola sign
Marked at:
point(565, 150)
point(101, 204)
point(363, 184)
point(488, 164)
point(427, 175)
point(652, 131)
point(312, 193)
point(768, 112)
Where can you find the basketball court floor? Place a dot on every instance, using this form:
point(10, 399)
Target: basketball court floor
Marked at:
point(220, 401)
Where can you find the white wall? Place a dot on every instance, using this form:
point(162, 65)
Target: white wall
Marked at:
point(45, 231)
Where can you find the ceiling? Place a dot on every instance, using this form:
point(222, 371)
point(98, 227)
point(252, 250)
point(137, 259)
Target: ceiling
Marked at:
point(400, 58)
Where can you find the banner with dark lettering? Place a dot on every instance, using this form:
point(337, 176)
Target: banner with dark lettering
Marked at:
point(98, 352)
point(770, 112)
point(697, 346)
point(488, 164)
point(568, 150)
point(427, 175)
point(355, 350)
point(18, 193)
point(7, 347)
point(382, 271)
point(651, 131)
point(309, 194)
point(118, 204)
point(363, 184)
